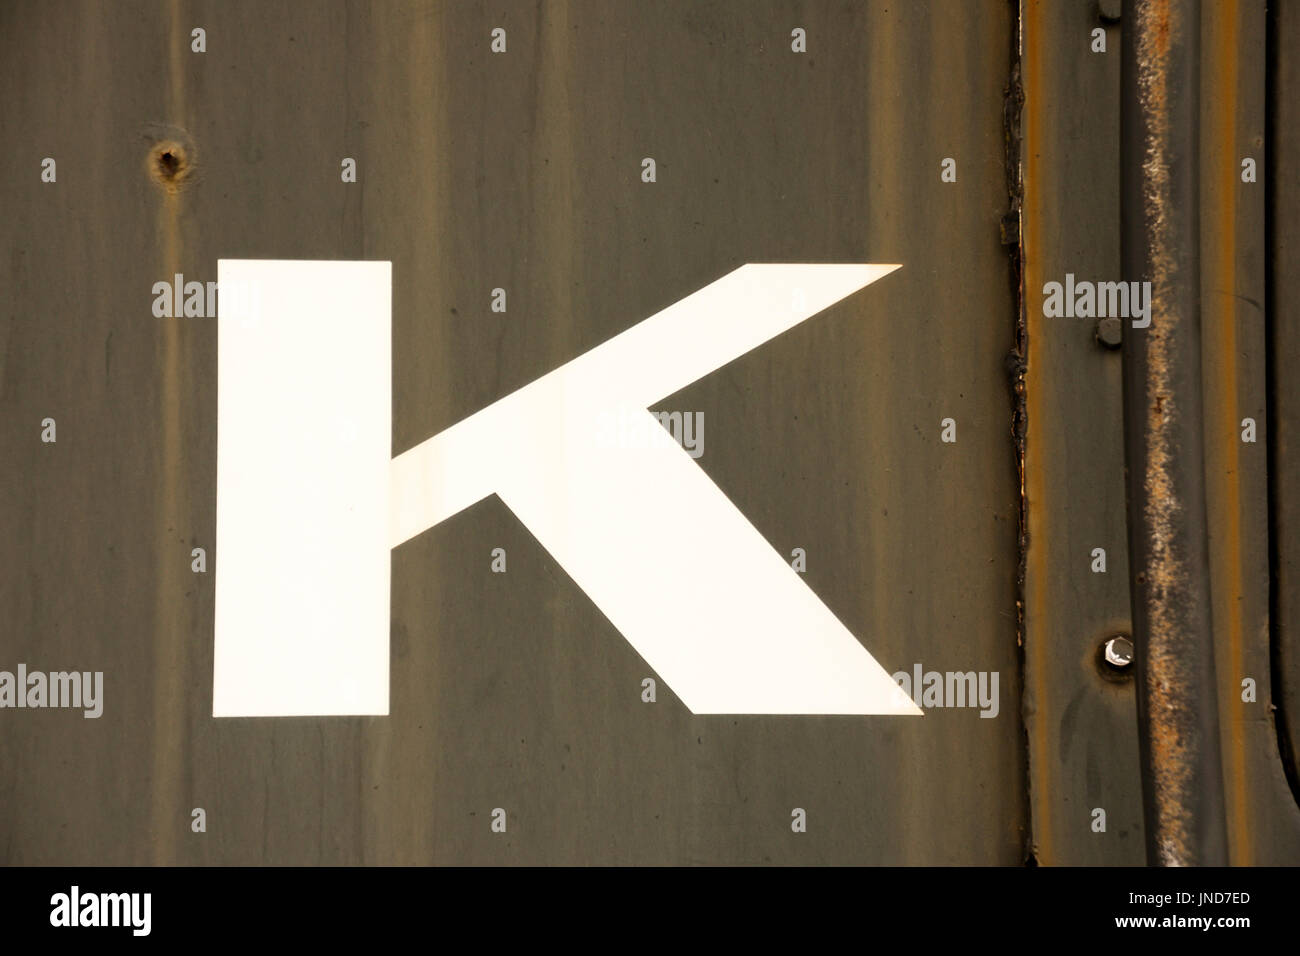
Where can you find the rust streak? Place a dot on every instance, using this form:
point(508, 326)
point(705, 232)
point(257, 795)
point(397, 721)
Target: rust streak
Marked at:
point(1169, 672)
point(1038, 603)
point(169, 616)
point(1225, 449)
point(1170, 763)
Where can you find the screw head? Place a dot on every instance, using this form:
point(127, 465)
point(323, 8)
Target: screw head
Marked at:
point(1109, 10)
point(1110, 332)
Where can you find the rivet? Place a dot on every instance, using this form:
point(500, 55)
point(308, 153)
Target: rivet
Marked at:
point(1109, 332)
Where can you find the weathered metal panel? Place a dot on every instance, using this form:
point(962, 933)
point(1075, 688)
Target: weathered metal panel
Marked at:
point(518, 170)
point(1079, 715)
point(521, 170)
point(1262, 820)
point(1281, 168)
point(1169, 565)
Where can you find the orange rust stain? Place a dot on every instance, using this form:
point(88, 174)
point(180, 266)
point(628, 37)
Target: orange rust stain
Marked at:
point(169, 715)
point(1161, 30)
point(1038, 610)
point(170, 165)
point(1221, 223)
point(1166, 671)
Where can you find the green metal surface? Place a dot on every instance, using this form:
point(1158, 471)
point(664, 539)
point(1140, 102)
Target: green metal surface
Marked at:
point(521, 170)
point(518, 170)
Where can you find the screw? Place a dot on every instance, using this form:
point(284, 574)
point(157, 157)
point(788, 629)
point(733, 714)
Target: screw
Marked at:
point(1109, 332)
point(1109, 10)
point(1118, 652)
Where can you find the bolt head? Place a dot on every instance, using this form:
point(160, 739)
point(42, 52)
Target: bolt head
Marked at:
point(1118, 651)
point(1110, 332)
point(1109, 10)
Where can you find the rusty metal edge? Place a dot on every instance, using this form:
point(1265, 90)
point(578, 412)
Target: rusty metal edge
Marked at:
point(1183, 799)
point(1013, 239)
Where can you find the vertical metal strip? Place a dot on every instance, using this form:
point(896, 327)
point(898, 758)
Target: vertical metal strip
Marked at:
point(1164, 446)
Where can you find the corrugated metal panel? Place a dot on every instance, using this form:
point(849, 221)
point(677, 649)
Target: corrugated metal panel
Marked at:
point(1079, 717)
point(1281, 170)
point(1262, 819)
